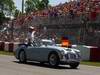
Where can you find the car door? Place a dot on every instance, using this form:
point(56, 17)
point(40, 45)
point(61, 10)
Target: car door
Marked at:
point(31, 53)
point(34, 53)
point(39, 53)
point(42, 53)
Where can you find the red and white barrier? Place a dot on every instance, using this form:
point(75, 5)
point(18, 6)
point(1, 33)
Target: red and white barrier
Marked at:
point(8, 46)
point(2, 45)
point(15, 46)
point(95, 54)
point(87, 52)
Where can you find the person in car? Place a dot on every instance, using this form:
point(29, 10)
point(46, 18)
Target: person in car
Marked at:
point(31, 35)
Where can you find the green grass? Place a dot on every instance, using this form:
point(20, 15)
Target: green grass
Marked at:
point(6, 53)
point(90, 63)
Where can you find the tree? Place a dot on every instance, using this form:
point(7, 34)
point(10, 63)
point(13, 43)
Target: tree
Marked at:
point(45, 3)
point(7, 6)
point(32, 5)
point(2, 17)
point(29, 6)
point(17, 13)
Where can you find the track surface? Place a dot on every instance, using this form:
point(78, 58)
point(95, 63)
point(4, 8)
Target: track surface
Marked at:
point(9, 65)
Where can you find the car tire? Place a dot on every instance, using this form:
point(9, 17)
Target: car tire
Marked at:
point(53, 59)
point(74, 65)
point(22, 57)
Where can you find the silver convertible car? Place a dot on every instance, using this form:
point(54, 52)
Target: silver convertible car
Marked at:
point(47, 51)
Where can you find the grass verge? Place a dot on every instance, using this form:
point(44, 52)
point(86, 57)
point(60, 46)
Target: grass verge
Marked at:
point(6, 53)
point(90, 63)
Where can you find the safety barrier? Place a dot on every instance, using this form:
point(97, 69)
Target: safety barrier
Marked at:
point(95, 54)
point(89, 53)
point(8, 46)
point(2, 45)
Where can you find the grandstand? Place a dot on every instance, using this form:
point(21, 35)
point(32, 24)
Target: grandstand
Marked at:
point(77, 19)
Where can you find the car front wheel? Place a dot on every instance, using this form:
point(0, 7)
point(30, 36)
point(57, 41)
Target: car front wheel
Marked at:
point(53, 59)
point(22, 57)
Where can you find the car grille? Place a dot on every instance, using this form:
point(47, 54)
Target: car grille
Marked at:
point(70, 56)
point(66, 56)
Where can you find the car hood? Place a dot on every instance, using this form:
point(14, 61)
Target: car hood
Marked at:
point(64, 49)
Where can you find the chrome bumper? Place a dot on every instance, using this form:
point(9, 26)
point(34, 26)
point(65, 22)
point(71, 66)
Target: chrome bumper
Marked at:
point(70, 58)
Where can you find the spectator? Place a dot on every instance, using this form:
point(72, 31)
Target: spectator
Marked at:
point(71, 13)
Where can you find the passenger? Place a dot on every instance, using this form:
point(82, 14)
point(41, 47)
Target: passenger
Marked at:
point(31, 35)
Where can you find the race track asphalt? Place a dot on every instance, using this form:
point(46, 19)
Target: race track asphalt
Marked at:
point(9, 65)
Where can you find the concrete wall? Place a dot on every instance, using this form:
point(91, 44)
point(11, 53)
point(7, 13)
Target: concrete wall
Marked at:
point(85, 52)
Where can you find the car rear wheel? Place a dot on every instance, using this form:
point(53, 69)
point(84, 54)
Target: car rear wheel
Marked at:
point(74, 65)
point(22, 57)
point(53, 59)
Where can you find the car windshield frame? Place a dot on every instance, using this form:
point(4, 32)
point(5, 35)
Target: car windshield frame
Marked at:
point(43, 43)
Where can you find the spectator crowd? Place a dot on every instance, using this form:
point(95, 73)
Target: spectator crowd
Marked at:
point(90, 8)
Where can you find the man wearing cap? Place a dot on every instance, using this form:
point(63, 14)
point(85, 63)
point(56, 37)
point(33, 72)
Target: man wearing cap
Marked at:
point(31, 35)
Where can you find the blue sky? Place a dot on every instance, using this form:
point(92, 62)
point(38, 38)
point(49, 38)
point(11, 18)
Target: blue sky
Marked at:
point(56, 2)
point(52, 2)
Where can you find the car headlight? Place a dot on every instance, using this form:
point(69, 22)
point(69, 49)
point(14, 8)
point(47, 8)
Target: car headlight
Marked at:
point(62, 52)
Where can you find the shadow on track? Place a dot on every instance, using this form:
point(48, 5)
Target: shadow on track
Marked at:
point(46, 65)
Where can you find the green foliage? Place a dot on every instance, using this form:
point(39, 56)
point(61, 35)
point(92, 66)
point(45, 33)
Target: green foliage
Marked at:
point(8, 6)
point(17, 13)
point(2, 17)
point(29, 6)
point(45, 3)
point(33, 5)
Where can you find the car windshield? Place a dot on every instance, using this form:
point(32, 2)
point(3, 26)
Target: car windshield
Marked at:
point(44, 42)
point(48, 43)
